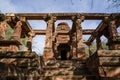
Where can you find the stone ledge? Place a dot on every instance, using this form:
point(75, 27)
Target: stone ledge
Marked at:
point(109, 53)
point(19, 54)
point(6, 42)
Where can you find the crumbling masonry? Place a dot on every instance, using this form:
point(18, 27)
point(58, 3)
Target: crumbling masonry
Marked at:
point(64, 55)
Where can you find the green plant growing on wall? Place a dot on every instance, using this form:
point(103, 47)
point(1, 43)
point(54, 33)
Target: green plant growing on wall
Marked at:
point(8, 32)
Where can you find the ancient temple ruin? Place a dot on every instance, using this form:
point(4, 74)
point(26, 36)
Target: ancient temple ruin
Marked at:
point(64, 56)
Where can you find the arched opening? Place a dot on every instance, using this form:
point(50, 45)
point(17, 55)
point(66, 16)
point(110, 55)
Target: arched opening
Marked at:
point(64, 51)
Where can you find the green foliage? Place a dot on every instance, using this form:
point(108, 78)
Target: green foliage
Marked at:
point(8, 32)
point(104, 46)
point(24, 43)
point(24, 40)
point(86, 50)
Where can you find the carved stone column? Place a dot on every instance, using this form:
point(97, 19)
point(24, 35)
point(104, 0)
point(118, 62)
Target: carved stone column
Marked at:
point(48, 50)
point(77, 42)
point(80, 44)
point(74, 45)
point(112, 29)
point(113, 40)
point(29, 41)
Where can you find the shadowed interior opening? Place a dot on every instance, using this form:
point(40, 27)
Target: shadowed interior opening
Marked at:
point(64, 51)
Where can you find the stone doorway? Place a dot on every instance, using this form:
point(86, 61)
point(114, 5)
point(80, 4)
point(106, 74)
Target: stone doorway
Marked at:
point(64, 51)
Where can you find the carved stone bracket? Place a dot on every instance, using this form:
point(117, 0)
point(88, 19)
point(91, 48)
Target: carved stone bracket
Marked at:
point(17, 31)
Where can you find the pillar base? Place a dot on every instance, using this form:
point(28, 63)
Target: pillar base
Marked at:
point(81, 53)
point(48, 52)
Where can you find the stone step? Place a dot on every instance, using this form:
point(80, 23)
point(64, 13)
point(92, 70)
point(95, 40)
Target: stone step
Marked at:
point(66, 72)
point(110, 60)
point(113, 64)
point(80, 77)
point(110, 78)
point(52, 62)
point(63, 64)
point(57, 73)
point(67, 69)
point(108, 53)
point(77, 66)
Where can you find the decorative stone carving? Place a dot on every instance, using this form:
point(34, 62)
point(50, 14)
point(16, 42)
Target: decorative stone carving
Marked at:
point(17, 31)
point(80, 44)
point(29, 41)
point(3, 26)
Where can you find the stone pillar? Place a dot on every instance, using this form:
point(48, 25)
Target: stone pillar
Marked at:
point(113, 42)
point(112, 29)
point(98, 41)
point(48, 50)
point(74, 45)
point(77, 42)
point(29, 42)
point(80, 44)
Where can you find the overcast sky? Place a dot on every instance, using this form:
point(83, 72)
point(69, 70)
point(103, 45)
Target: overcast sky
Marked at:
point(49, 6)
point(54, 6)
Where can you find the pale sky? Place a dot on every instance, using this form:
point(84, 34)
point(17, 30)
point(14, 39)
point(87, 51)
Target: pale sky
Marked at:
point(55, 6)
point(49, 6)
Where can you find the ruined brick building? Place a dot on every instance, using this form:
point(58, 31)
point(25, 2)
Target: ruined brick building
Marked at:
point(64, 56)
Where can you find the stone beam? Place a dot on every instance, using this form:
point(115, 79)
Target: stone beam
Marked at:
point(97, 31)
point(62, 16)
point(87, 31)
point(27, 26)
point(39, 32)
point(43, 32)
